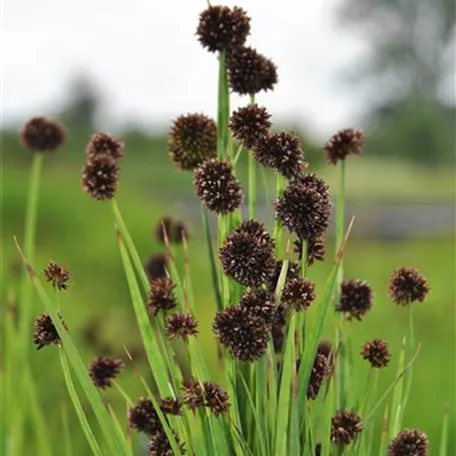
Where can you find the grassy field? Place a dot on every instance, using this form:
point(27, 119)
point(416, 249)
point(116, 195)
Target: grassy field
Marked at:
point(79, 233)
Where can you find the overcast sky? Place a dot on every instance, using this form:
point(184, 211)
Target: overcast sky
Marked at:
point(150, 67)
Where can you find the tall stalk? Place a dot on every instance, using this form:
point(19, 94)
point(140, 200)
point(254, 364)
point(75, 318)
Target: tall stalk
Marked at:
point(252, 177)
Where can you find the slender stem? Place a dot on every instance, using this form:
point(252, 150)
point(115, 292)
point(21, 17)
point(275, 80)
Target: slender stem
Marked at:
point(252, 177)
point(340, 221)
point(278, 228)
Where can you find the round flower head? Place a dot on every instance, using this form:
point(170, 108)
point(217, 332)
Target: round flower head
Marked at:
point(409, 442)
point(355, 298)
point(377, 353)
point(156, 267)
point(315, 250)
point(175, 230)
point(250, 125)
point(311, 180)
point(217, 187)
point(345, 142)
point(216, 398)
point(193, 395)
point(245, 336)
point(171, 406)
point(298, 293)
point(42, 135)
point(104, 144)
point(303, 210)
point(247, 254)
point(281, 151)
point(144, 418)
point(161, 296)
point(408, 285)
point(259, 303)
point(45, 332)
point(192, 140)
point(249, 72)
point(159, 444)
point(345, 426)
point(58, 275)
point(181, 325)
point(221, 28)
point(100, 176)
point(104, 369)
point(320, 370)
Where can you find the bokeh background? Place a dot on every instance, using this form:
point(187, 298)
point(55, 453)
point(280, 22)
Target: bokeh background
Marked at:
point(129, 68)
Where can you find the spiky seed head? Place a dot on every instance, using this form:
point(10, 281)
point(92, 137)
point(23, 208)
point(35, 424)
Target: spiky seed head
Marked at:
point(104, 144)
point(250, 125)
point(304, 211)
point(171, 406)
point(282, 152)
point(100, 176)
point(250, 72)
point(216, 398)
point(355, 298)
point(259, 303)
point(143, 417)
point(181, 325)
point(349, 141)
point(298, 293)
point(292, 273)
point(193, 395)
point(247, 254)
point(409, 442)
point(311, 180)
point(278, 328)
point(58, 275)
point(408, 285)
point(245, 336)
point(104, 369)
point(192, 140)
point(161, 295)
point(45, 332)
point(345, 426)
point(221, 28)
point(40, 134)
point(159, 444)
point(315, 249)
point(175, 230)
point(217, 187)
point(320, 370)
point(377, 353)
point(156, 267)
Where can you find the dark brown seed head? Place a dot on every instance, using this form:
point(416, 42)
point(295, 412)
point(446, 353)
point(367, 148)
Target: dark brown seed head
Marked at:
point(326, 348)
point(408, 285)
point(192, 140)
point(345, 426)
point(181, 325)
point(159, 445)
point(156, 267)
point(278, 328)
point(282, 152)
point(104, 369)
point(247, 254)
point(245, 336)
point(345, 142)
point(250, 72)
point(100, 176)
point(144, 418)
point(217, 187)
point(303, 210)
point(175, 230)
point(320, 370)
point(193, 395)
point(409, 442)
point(259, 303)
point(161, 295)
point(221, 28)
point(104, 144)
point(216, 398)
point(298, 293)
point(377, 353)
point(171, 406)
point(315, 249)
point(58, 275)
point(45, 332)
point(42, 135)
point(250, 125)
point(292, 273)
point(311, 180)
point(355, 298)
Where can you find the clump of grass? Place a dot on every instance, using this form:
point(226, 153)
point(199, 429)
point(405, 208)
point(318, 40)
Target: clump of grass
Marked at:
point(283, 390)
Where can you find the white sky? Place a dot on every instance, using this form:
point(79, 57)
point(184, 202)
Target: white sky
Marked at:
point(144, 56)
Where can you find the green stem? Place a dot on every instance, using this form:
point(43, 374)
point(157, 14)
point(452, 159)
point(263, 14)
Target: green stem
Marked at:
point(278, 228)
point(252, 176)
point(340, 221)
point(221, 111)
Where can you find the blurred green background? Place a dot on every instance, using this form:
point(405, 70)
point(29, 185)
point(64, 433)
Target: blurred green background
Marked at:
point(401, 191)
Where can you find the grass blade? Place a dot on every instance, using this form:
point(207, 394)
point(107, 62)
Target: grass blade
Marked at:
point(443, 448)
